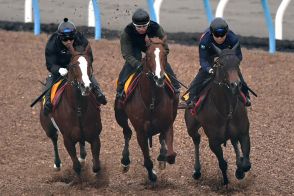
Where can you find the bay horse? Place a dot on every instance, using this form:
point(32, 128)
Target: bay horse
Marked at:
point(77, 115)
point(223, 116)
point(150, 109)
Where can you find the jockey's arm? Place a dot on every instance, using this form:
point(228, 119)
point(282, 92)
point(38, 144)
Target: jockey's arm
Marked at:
point(127, 50)
point(51, 60)
point(203, 57)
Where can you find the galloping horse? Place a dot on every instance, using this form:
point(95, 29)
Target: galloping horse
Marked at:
point(77, 115)
point(223, 116)
point(151, 109)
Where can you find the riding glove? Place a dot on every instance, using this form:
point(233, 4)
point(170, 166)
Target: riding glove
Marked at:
point(62, 71)
point(210, 71)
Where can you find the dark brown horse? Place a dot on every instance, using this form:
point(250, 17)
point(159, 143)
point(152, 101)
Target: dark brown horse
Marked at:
point(223, 116)
point(77, 115)
point(151, 109)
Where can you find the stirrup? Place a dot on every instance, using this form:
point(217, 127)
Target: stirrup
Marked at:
point(47, 108)
point(248, 102)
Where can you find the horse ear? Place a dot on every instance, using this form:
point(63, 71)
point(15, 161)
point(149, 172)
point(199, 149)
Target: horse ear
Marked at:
point(164, 39)
point(216, 49)
point(236, 46)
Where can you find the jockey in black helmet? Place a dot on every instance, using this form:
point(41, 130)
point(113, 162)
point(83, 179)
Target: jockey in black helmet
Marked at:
point(132, 43)
point(219, 34)
point(58, 57)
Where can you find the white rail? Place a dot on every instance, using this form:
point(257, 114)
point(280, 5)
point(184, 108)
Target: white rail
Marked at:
point(279, 19)
point(28, 12)
point(157, 4)
point(220, 8)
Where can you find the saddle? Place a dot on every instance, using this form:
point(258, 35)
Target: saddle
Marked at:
point(56, 91)
point(132, 83)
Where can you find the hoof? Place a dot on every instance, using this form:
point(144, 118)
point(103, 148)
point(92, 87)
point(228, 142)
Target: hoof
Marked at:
point(196, 175)
point(125, 168)
point(96, 169)
point(152, 177)
point(239, 174)
point(162, 165)
point(247, 167)
point(171, 159)
point(56, 168)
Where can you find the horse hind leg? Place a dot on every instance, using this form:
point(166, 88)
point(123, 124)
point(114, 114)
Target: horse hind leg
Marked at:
point(122, 120)
point(217, 150)
point(197, 166)
point(163, 152)
point(239, 171)
point(245, 147)
point(52, 133)
point(95, 148)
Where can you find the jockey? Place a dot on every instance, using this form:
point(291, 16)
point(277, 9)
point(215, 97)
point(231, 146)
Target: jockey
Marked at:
point(220, 35)
point(58, 57)
point(132, 43)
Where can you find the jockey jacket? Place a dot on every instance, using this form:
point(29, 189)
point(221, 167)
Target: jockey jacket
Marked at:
point(207, 53)
point(57, 55)
point(130, 39)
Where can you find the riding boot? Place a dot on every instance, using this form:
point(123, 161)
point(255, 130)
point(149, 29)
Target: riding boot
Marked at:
point(196, 86)
point(244, 89)
point(100, 97)
point(173, 78)
point(48, 105)
point(122, 78)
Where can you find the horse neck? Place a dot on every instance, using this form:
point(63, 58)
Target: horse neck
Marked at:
point(223, 100)
point(73, 97)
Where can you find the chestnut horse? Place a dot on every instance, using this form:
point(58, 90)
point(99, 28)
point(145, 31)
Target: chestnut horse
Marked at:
point(76, 116)
point(151, 109)
point(223, 116)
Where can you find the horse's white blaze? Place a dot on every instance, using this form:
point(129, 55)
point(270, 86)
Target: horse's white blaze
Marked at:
point(83, 66)
point(157, 61)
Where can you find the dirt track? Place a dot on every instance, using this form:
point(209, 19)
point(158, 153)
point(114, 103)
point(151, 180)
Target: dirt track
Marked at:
point(26, 164)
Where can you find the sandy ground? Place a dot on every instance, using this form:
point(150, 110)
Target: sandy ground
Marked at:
point(246, 18)
point(26, 164)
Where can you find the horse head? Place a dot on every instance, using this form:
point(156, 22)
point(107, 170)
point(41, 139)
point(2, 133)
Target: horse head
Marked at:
point(226, 68)
point(155, 60)
point(80, 69)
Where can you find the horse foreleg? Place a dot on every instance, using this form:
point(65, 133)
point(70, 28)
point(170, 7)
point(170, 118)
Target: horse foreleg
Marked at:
point(163, 151)
point(143, 143)
point(57, 162)
point(71, 149)
point(83, 152)
point(95, 148)
point(239, 171)
point(171, 155)
point(245, 147)
point(217, 150)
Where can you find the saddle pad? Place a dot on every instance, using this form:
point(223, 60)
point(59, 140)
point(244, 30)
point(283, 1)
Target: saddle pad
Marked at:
point(54, 89)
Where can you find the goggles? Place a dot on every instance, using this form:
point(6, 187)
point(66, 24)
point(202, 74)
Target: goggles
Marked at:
point(65, 39)
point(141, 26)
point(219, 32)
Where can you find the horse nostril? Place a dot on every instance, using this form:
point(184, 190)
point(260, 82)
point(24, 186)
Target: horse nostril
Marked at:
point(155, 78)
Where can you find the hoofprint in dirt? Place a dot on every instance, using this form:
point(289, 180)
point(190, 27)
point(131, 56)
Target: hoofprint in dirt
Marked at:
point(27, 154)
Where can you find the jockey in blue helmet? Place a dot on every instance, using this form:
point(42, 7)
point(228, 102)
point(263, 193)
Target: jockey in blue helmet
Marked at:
point(58, 57)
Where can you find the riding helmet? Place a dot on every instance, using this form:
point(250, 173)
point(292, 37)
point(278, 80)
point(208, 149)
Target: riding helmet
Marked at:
point(219, 26)
point(140, 17)
point(66, 29)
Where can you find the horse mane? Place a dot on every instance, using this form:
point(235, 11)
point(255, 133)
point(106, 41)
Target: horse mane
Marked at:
point(156, 40)
point(228, 58)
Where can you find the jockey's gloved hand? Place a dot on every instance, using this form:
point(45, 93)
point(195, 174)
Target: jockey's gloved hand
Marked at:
point(210, 71)
point(62, 71)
